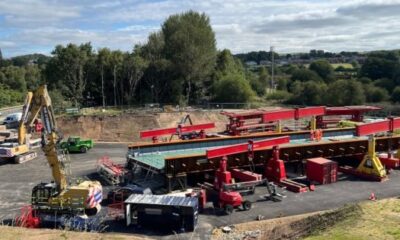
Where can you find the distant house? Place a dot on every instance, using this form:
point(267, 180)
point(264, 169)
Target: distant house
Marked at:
point(265, 62)
point(251, 63)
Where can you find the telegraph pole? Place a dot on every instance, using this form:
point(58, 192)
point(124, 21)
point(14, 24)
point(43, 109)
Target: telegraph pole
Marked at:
point(272, 69)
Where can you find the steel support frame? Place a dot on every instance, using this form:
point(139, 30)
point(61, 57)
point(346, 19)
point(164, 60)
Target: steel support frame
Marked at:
point(289, 153)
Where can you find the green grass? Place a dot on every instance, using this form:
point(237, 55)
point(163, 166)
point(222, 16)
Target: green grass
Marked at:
point(379, 220)
point(345, 65)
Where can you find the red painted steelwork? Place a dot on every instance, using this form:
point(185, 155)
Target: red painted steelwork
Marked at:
point(349, 110)
point(244, 147)
point(321, 170)
point(309, 111)
point(372, 128)
point(394, 123)
point(179, 129)
point(279, 115)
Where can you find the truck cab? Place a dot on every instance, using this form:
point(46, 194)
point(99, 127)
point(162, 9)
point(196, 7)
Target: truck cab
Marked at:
point(76, 144)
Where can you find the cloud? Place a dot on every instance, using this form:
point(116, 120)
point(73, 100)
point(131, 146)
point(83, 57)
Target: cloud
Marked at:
point(240, 25)
point(371, 10)
point(35, 12)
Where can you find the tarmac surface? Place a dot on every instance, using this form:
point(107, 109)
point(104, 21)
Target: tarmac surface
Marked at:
point(18, 180)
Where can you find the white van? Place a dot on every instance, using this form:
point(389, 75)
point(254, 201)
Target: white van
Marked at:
point(12, 118)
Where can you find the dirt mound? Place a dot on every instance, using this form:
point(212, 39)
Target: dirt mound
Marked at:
point(125, 127)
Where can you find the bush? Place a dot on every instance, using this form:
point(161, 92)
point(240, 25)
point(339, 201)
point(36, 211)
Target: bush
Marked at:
point(308, 93)
point(375, 94)
point(304, 75)
point(345, 92)
point(279, 95)
point(233, 88)
point(10, 97)
point(396, 95)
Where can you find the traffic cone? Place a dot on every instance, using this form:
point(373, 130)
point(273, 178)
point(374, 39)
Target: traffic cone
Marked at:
point(372, 197)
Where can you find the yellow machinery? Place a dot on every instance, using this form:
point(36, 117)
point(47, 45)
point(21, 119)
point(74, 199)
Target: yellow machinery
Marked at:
point(58, 197)
point(371, 165)
point(347, 123)
point(21, 151)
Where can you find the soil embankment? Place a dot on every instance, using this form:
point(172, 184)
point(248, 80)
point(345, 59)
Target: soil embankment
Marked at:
point(293, 227)
point(125, 127)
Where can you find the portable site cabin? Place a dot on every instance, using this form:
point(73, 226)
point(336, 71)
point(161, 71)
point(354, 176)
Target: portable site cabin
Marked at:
point(162, 211)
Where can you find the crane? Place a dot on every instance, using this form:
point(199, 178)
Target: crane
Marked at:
point(58, 197)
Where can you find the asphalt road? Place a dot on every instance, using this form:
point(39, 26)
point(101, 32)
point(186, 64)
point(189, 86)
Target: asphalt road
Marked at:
point(18, 180)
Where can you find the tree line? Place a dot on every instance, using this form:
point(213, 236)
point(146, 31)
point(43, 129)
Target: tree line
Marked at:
point(180, 64)
point(377, 80)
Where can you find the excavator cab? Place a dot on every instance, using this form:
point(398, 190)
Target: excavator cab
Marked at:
point(42, 192)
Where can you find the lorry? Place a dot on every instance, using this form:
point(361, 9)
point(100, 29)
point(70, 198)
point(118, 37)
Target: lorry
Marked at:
point(76, 144)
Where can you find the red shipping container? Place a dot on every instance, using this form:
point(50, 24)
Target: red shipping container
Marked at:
point(321, 170)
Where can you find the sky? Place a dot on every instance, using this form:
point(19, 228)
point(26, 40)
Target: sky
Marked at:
point(37, 26)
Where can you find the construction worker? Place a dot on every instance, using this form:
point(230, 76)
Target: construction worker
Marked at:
point(38, 126)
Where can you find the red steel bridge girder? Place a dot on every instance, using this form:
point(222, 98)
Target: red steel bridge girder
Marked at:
point(246, 147)
point(179, 129)
point(309, 111)
point(279, 115)
point(388, 125)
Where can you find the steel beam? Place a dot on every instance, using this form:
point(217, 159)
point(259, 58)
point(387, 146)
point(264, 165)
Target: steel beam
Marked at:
point(394, 124)
point(309, 111)
point(181, 129)
point(245, 147)
point(279, 115)
point(372, 128)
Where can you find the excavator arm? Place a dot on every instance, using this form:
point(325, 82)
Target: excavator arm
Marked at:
point(40, 102)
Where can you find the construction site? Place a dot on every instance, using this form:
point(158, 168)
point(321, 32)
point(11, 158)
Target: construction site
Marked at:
point(195, 173)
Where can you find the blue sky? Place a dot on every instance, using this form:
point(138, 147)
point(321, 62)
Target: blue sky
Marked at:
point(28, 26)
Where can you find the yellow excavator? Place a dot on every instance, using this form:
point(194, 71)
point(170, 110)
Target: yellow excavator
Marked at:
point(58, 198)
point(21, 151)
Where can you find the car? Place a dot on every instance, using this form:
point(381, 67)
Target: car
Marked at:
point(120, 194)
point(76, 144)
point(12, 118)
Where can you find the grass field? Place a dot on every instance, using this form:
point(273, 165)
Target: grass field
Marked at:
point(345, 65)
point(379, 220)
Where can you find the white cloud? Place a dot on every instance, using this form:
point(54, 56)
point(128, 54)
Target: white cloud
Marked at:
point(240, 25)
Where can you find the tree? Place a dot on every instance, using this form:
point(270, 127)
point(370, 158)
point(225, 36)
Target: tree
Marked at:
point(385, 83)
point(1, 58)
point(308, 93)
point(324, 69)
point(345, 92)
point(233, 88)
point(380, 65)
point(14, 78)
point(134, 66)
point(69, 70)
point(33, 77)
point(116, 59)
point(158, 74)
point(304, 75)
point(375, 94)
point(396, 95)
point(191, 48)
point(103, 59)
point(263, 77)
